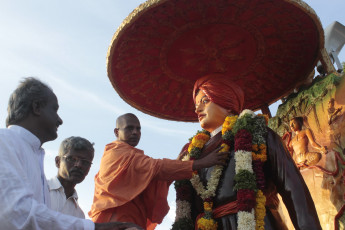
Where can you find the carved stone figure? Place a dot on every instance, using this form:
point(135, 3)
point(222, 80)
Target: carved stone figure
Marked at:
point(333, 113)
point(299, 144)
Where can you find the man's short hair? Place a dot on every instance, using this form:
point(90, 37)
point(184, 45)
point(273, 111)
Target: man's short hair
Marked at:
point(20, 102)
point(75, 143)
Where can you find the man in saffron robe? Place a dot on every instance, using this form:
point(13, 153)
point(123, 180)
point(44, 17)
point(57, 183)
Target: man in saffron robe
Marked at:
point(132, 186)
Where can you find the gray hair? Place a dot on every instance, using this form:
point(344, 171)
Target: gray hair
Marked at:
point(20, 102)
point(75, 143)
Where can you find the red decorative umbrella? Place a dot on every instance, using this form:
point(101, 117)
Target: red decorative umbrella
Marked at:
point(265, 46)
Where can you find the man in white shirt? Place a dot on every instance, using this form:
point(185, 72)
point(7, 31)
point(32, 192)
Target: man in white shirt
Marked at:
point(24, 197)
point(73, 163)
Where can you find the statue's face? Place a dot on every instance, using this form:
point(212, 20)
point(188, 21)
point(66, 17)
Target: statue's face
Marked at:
point(210, 115)
point(294, 125)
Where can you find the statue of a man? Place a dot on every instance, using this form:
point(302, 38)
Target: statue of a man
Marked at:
point(218, 102)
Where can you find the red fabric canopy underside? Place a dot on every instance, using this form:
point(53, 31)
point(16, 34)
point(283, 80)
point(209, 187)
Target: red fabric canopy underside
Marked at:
point(267, 47)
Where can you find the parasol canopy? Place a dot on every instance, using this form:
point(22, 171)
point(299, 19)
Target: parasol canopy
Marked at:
point(267, 47)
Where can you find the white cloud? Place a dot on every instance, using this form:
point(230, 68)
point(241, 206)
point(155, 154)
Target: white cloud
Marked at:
point(83, 95)
point(88, 97)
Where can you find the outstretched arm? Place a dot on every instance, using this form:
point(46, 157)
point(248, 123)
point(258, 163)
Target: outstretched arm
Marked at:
point(177, 170)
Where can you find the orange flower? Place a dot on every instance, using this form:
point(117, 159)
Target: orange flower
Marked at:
point(255, 148)
point(202, 136)
point(259, 157)
point(208, 206)
point(198, 141)
point(263, 149)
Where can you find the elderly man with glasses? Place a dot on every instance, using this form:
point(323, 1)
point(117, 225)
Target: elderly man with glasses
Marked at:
point(73, 163)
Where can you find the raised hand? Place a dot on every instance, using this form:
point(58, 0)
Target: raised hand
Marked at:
point(213, 158)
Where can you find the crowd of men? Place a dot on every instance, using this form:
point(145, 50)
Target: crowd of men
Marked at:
point(30, 201)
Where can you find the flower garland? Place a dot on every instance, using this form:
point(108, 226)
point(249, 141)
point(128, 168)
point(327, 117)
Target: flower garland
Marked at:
point(248, 132)
point(250, 154)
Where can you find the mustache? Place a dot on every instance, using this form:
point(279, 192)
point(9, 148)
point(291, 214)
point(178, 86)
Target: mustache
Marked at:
point(77, 171)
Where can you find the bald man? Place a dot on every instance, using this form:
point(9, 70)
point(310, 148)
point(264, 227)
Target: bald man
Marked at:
point(131, 186)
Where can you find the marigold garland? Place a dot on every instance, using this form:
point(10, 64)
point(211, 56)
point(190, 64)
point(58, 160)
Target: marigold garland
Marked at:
point(248, 132)
point(207, 224)
point(260, 210)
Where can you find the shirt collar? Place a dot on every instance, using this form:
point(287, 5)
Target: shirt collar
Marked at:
point(27, 136)
point(216, 131)
point(56, 185)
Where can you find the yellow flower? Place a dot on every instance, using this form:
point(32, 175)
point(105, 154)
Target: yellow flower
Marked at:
point(231, 118)
point(198, 143)
point(207, 224)
point(225, 148)
point(229, 123)
point(190, 147)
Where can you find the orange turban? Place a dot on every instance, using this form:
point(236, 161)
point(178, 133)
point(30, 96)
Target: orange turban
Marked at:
point(221, 91)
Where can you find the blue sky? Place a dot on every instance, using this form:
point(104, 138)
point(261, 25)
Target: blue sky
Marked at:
point(64, 43)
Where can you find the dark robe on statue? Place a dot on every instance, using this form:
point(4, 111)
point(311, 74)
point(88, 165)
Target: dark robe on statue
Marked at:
point(281, 175)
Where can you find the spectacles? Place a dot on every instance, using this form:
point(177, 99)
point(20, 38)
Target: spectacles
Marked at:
point(73, 160)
